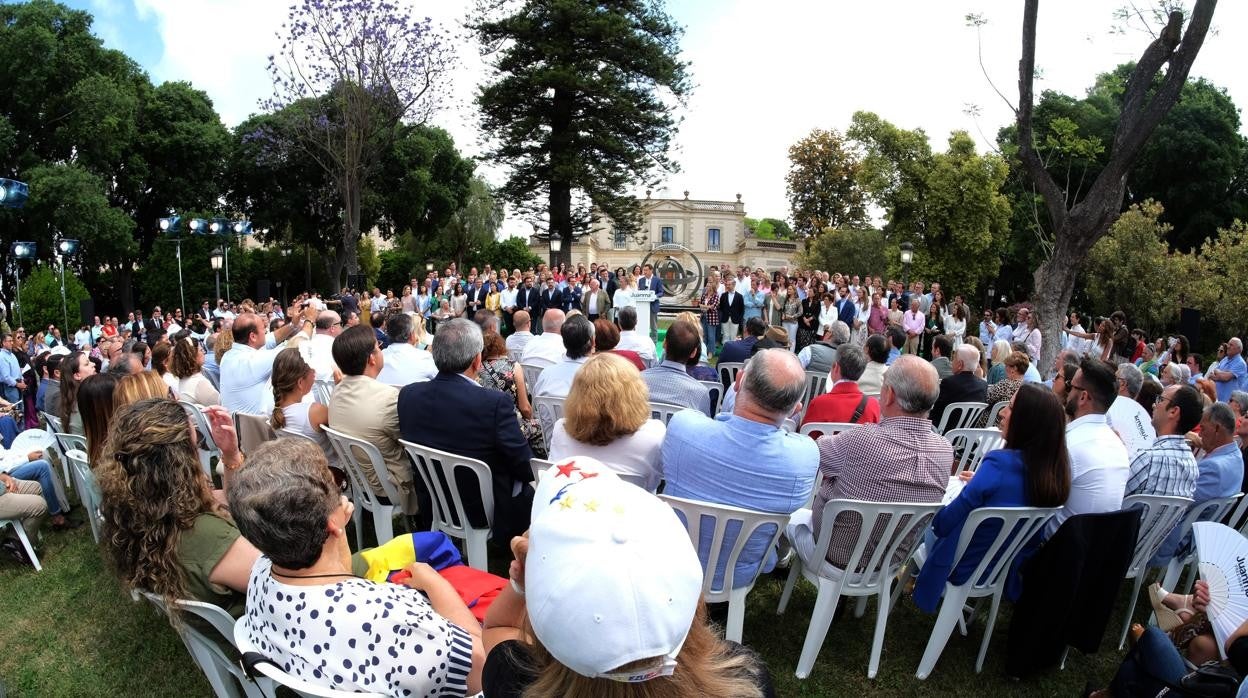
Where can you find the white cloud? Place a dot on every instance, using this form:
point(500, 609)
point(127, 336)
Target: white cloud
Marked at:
point(766, 72)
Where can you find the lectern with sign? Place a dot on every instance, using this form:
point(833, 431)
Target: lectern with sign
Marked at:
point(643, 299)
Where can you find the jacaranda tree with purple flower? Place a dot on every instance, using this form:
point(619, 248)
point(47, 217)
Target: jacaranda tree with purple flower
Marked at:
point(361, 71)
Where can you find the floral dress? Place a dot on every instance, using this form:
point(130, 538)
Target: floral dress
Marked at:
point(500, 374)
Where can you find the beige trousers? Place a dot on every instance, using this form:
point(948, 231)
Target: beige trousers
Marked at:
point(26, 505)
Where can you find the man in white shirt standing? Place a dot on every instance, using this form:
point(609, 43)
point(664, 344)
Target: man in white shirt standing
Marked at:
point(1128, 419)
point(507, 302)
point(1079, 345)
point(319, 352)
point(546, 348)
point(518, 340)
point(404, 362)
point(246, 367)
point(1098, 459)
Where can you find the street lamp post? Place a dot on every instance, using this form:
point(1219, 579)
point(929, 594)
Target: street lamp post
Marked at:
point(20, 251)
point(556, 246)
point(907, 256)
point(65, 248)
point(215, 260)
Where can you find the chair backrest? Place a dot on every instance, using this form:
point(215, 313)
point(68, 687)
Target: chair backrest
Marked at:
point(994, 414)
point(252, 430)
point(88, 489)
point(547, 409)
point(888, 533)
point(728, 371)
point(716, 392)
point(206, 442)
point(816, 385)
point(1018, 526)
point(196, 637)
point(664, 412)
point(351, 454)
point(285, 432)
point(1158, 517)
point(69, 442)
point(539, 466)
point(817, 429)
point(971, 445)
point(53, 422)
point(718, 516)
point(437, 469)
point(322, 391)
point(531, 372)
point(258, 664)
point(789, 425)
point(960, 415)
point(1208, 510)
point(1238, 519)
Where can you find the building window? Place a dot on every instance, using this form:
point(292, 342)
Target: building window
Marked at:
point(668, 234)
point(712, 239)
point(620, 241)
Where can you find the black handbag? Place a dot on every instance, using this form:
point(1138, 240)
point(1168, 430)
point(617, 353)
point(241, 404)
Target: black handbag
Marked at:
point(1209, 680)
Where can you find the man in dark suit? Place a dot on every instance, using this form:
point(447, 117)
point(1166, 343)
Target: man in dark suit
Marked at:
point(551, 297)
point(154, 322)
point(606, 279)
point(529, 299)
point(572, 295)
point(731, 310)
point(963, 385)
point(477, 293)
point(743, 349)
point(846, 310)
point(650, 282)
point(489, 416)
point(205, 312)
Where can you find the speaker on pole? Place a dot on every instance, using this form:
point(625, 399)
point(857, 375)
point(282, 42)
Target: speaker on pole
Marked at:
point(1189, 325)
point(87, 309)
point(262, 290)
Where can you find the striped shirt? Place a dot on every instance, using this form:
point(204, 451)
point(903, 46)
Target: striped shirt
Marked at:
point(1166, 468)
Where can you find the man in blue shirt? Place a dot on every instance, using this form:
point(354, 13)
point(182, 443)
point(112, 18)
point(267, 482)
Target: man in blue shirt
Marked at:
point(744, 458)
point(1228, 374)
point(10, 372)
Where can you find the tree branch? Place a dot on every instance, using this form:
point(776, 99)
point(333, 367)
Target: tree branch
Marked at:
point(1054, 198)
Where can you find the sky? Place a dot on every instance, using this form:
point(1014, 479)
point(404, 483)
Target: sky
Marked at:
point(766, 72)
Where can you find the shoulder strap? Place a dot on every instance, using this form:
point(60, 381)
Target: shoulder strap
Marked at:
point(862, 407)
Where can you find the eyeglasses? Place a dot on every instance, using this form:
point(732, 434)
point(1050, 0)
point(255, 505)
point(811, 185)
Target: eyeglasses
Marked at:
point(1160, 399)
point(1076, 386)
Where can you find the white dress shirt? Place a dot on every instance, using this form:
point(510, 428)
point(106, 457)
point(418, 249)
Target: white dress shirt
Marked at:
point(318, 352)
point(630, 340)
point(245, 379)
point(516, 344)
point(507, 299)
point(544, 349)
point(1132, 423)
point(404, 363)
point(556, 380)
point(1099, 469)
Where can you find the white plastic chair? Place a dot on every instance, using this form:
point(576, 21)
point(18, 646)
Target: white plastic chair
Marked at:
point(816, 385)
point(664, 412)
point(547, 409)
point(53, 426)
point(893, 530)
point(1208, 510)
point(322, 391)
point(789, 425)
point(438, 469)
point(995, 413)
point(252, 430)
point(715, 390)
point(728, 371)
point(88, 489)
point(207, 446)
point(1018, 526)
point(960, 415)
point(971, 445)
point(24, 540)
point(717, 517)
point(1160, 515)
point(362, 494)
point(271, 676)
point(224, 674)
point(826, 428)
point(1238, 519)
point(531, 372)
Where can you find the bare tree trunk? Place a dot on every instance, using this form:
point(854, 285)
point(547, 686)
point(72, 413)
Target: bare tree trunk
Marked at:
point(1078, 227)
point(560, 211)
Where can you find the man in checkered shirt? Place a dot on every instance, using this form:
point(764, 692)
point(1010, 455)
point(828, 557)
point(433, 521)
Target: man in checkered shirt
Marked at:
point(898, 460)
point(1168, 466)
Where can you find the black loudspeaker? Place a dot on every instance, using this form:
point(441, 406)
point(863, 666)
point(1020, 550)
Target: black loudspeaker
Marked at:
point(357, 281)
point(87, 308)
point(1189, 326)
point(262, 290)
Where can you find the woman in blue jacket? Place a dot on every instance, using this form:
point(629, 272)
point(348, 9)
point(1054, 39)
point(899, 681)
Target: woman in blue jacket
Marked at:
point(1031, 470)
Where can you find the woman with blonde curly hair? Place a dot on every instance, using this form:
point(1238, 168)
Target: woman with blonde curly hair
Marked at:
point(187, 367)
point(607, 416)
point(164, 532)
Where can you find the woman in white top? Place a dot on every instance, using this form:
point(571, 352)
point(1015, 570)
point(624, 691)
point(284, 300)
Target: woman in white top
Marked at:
point(624, 294)
point(161, 354)
point(292, 380)
point(862, 302)
point(192, 385)
point(827, 315)
point(955, 324)
point(607, 416)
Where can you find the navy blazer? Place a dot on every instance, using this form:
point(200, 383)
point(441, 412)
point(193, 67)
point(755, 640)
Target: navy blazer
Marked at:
point(848, 313)
point(551, 299)
point(572, 297)
point(481, 424)
point(529, 298)
point(656, 285)
point(732, 312)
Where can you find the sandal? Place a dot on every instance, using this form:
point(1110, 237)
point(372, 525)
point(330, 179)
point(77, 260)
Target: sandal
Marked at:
point(1167, 618)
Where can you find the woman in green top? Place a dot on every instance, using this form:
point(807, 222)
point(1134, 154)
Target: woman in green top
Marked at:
point(164, 532)
point(75, 368)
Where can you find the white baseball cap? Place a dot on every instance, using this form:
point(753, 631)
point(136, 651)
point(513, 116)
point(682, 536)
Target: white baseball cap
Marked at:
point(611, 575)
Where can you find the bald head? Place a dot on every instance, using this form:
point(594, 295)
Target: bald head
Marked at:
point(328, 321)
point(913, 386)
point(772, 383)
point(552, 320)
point(520, 319)
point(248, 330)
point(966, 358)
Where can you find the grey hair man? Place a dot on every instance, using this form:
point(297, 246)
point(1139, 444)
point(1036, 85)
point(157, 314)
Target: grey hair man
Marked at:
point(546, 348)
point(318, 351)
point(901, 459)
point(404, 361)
point(746, 460)
point(962, 385)
point(1129, 420)
point(844, 401)
point(821, 355)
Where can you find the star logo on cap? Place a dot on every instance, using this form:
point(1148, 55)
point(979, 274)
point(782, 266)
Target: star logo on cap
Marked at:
point(567, 469)
point(566, 502)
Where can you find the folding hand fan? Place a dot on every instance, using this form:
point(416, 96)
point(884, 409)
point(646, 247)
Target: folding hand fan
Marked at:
point(1223, 554)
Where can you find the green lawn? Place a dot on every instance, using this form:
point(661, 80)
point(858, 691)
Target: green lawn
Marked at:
point(71, 631)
